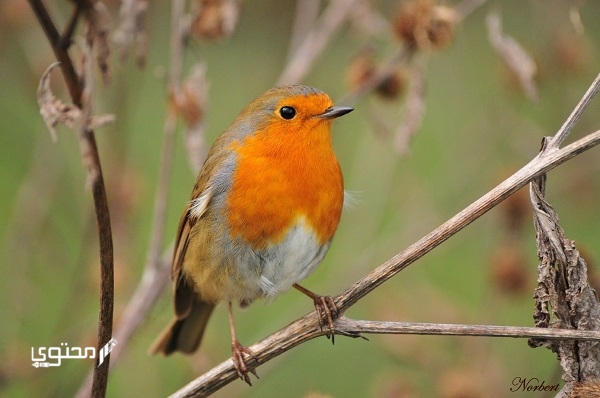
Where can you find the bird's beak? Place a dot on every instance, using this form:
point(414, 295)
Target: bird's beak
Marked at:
point(335, 111)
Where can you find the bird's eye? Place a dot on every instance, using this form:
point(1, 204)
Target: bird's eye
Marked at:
point(287, 112)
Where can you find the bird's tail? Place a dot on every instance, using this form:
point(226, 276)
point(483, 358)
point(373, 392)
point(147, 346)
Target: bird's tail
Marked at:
point(184, 334)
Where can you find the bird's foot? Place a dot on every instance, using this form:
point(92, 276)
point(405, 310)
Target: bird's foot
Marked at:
point(238, 352)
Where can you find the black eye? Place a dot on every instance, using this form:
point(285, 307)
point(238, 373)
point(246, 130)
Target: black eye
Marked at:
point(287, 112)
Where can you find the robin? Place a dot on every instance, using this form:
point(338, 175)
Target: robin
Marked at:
point(261, 217)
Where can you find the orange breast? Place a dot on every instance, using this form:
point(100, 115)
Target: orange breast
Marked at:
point(280, 177)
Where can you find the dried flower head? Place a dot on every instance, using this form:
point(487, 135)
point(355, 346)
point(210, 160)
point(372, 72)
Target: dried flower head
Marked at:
point(215, 19)
point(509, 270)
point(189, 101)
point(363, 68)
point(421, 24)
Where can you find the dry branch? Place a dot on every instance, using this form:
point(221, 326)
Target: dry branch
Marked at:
point(315, 41)
point(157, 270)
point(307, 327)
point(81, 92)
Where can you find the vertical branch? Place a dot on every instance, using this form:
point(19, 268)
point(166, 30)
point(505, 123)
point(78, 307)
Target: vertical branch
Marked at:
point(81, 95)
point(157, 270)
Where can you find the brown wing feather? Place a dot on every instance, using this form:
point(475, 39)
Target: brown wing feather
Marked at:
point(183, 295)
point(185, 331)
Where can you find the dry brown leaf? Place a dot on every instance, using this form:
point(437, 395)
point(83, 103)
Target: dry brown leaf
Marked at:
point(563, 298)
point(414, 110)
point(514, 55)
point(55, 112)
point(192, 109)
point(131, 32)
point(98, 30)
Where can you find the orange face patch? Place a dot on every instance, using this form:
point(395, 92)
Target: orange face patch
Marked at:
point(285, 171)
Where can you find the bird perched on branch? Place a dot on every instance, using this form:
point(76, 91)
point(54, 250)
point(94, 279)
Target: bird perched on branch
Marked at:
point(262, 215)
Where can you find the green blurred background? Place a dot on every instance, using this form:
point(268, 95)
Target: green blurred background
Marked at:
point(478, 129)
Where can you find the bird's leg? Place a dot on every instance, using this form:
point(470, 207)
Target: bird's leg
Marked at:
point(325, 307)
point(238, 351)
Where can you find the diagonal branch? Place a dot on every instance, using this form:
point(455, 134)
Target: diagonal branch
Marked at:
point(315, 41)
point(575, 115)
point(518, 180)
point(307, 327)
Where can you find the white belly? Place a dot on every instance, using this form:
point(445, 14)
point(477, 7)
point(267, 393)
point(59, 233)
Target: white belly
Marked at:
point(273, 270)
point(292, 260)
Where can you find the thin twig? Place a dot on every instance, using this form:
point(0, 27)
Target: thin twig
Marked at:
point(306, 13)
point(382, 73)
point(61, 54)
point(157, 270)
point(353, 326)
point(315, 41)
point(162, 192)
point(518, 180)
point(573, 118)
point(96, 180)
point(402, 56)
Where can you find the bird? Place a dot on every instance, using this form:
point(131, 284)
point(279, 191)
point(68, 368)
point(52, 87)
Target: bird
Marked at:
point(261, 217)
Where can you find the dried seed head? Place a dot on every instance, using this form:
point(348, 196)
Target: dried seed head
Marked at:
point(215, 19)
point(571, 52)
point(394, 85)
point(509, 270)
point(189, 101)
point(421, 24)
point(516, 211)
point(363, 68)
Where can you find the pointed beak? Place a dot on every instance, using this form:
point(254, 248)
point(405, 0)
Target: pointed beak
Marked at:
point(335, 111)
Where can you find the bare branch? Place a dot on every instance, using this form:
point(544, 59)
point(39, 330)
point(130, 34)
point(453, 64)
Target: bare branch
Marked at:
point(315, 41)
point(306, 14)
point(307, 327)
point(573, 118)
point(158, 264)
point(352, 326)
point(81, 95)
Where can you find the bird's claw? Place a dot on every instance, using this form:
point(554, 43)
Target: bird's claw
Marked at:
point(328, 312)
point(239, 361)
